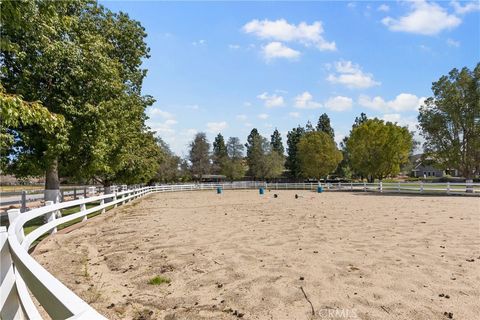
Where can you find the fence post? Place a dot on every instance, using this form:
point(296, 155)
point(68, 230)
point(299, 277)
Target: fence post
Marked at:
point(364, 186)
point(398, 186)
point(83, 207)
point(51, 216)
point(421, 186)
point(62, 195)
point(469, 186)
point(12, 308)
point(12, 215)
point(102, 202)
point(84, 192)
point(448, 187)
point(381, 186)
point(24, 201)
point(74, 193)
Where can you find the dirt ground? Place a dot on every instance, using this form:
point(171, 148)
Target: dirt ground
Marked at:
point(242, 255)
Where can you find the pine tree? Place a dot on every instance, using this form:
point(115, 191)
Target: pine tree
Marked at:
point(293, 137)
point(276, 142)
point(219, 153)
point(323, 125)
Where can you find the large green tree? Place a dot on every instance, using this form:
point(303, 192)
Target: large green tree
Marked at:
point(168, 164)
point(450, 121)
point(254, 152)
point(199, 156)
point(276, 142)
point(344, 169)
point(293, 137)
point(318, 155)
point(219, 154)
point(377, 149)
point(323, 125)
point(263, 162)
point(233, 166)
point(81, 61)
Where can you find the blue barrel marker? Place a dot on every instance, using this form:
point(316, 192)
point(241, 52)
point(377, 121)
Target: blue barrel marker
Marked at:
point(219, 190)
point(261, 190)
point(319, 189)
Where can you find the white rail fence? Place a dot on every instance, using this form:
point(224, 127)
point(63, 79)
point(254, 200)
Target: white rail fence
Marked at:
point(21, 277)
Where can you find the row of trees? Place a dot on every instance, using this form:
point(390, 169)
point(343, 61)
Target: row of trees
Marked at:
point(374, 149)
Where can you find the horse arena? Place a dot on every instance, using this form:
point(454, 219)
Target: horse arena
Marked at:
point(334, 255)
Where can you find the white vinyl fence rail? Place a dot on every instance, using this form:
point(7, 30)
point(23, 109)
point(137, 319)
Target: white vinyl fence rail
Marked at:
point(21, 277)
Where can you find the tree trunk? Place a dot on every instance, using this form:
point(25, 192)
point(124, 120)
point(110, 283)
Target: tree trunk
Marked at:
point(52, 183)
point(107, 189)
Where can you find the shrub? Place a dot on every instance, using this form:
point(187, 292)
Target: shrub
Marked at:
point(158, 280)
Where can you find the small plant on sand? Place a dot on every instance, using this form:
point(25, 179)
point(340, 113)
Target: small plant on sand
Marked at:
point(86, 274)
point(158, 280)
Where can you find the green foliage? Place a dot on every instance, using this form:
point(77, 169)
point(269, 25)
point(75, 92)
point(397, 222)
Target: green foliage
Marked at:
point(292, 164)
point(254, 152)
point(377, 149)
point(263, 162)
point(199, 155)
point(233, 166)
point(276, 142)
point(168, 164)
point(16, 114)
point(323, 125)
point(318, 155)
point(450, 121)
point(220, 154)
point(158, 280)
point(80, 61)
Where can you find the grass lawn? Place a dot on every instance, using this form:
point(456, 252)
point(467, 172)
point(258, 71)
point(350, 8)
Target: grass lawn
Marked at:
point(37, 222)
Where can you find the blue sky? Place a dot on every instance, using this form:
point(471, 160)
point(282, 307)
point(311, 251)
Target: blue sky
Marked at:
point(231, 66)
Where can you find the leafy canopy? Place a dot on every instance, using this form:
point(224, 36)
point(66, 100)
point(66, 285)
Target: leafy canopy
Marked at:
point(377, 149)
point(318, 155)
point(450, 121)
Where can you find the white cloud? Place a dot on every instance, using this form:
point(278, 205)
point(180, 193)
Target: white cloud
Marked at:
point(427, 18)
point(281, 30)
point(410, 122)
point(468, 7)
point(352, 76)
point(383, 7)
point(453, 43)
point(200, 42)
point(216, 127)
point(305, 101)
point(294, 114)
point(263, 116)
point(247, 104)
point(271, 100)
point(351, 5)
point(241, 117)
point(189, 132)
point(339, 103)
point(163, 128)
point(279, 50)
point(234, 46)
point(159, 112)
point(402, 102)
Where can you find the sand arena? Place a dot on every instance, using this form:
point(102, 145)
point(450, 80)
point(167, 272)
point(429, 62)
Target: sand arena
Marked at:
point(241, 255)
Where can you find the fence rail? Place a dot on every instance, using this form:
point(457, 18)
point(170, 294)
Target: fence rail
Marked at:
point(21, 275)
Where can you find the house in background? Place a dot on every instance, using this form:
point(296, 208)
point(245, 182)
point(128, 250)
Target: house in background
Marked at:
point(423, 169)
